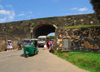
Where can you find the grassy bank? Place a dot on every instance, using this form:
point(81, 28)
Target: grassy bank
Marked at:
point(78, 26)
point(83, 59)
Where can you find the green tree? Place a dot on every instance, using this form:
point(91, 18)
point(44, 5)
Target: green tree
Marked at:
point(96, 7)
point(51, 37)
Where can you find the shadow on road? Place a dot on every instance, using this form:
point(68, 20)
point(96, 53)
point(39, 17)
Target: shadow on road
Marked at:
point(23, 55)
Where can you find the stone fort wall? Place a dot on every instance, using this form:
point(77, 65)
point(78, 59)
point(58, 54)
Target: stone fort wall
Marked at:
point(20, 30)
point(79, 38)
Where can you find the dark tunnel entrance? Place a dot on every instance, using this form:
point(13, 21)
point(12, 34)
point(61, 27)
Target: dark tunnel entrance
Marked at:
point(43, 29)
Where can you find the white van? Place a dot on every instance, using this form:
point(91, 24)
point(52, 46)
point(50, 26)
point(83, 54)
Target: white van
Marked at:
point(42, 40)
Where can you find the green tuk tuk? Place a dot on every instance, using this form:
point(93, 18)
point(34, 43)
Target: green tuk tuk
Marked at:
point(30, 47)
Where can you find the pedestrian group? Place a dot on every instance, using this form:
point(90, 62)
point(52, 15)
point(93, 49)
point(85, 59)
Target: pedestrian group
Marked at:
point(48, 44)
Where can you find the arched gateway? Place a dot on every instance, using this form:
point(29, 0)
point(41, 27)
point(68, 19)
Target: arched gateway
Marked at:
point(43, 29)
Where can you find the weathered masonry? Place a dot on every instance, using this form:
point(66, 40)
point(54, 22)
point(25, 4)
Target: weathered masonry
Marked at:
point(79, 38)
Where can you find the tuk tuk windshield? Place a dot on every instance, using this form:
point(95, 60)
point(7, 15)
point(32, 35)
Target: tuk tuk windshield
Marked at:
point(29, 42)
point(41, 39)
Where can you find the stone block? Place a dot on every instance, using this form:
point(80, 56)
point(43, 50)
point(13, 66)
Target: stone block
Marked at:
point(60, 45)
point(98, 51)
point(87, 44)
point(75, 36)
point(84, 32)
point(59, 40)
point(82, 44)
point(96, 47)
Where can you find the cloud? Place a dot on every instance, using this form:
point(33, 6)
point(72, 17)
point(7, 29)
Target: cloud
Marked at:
point(78, 13)
point(4, 12)
point(68, 13)
point(0, 0)
point(1, 6)
point(9, 6)
point(12, 14)
point(83, 9)
point(21, 14)
point(74, 8)
point(4, 19)
point(29, 12)
point(8, 15)
point(80, 9)
point(28, 17)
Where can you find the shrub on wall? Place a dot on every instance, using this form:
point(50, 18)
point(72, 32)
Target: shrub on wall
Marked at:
point(5, 33)
point(32, 24)
point(29, 23)
point(17, 27)
point(53, 22)
point(73, 23)
point(8, 29)
point(40, 21)
point(30, 28)
point(57, 24)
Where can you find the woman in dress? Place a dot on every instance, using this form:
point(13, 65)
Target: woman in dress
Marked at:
point(11, 48)
point(8, 46)
point(47, 45)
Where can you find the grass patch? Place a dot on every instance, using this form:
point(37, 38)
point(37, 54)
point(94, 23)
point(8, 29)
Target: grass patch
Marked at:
point(83, 59)
point(77, 26)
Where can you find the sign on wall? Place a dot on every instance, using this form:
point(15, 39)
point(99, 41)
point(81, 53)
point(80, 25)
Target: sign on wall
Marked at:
point(66, 44)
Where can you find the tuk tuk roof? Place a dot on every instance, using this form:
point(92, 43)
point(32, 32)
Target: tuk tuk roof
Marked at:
point(34, 39)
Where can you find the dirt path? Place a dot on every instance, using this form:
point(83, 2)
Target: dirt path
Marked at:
point(14, 61)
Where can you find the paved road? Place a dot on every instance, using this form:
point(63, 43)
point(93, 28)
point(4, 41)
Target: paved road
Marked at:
point(14, 61)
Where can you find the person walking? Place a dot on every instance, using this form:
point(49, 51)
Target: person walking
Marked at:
point(51, 43)
point(47, 45)
point(19, 45)
point(8, 45)
point(11, 48)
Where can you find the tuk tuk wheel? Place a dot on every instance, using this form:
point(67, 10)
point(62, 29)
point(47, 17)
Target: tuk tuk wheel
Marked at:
point(37, 52)
point(26, 55)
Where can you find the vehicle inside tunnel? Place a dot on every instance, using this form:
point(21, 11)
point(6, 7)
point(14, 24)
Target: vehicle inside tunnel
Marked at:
point(43, 29)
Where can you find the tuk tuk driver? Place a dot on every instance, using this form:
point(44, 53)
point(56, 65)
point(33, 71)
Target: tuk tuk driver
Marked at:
point(19, 43)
